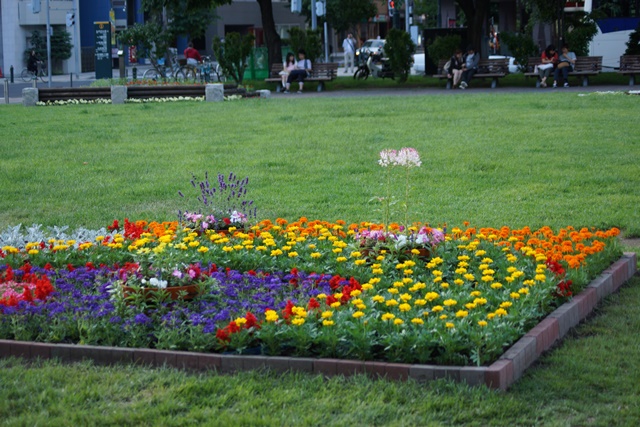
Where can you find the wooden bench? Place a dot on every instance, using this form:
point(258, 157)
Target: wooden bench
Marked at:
point(322, 72)
point(630, 66)
point(79, 93)
point(584, 67)
point(493, 69)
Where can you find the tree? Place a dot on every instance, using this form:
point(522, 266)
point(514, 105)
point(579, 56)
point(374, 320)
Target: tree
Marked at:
point(60, 47)
point(271, 36)
point(232, 54)
point(343, 15)
point(308, 40)
point(633, 45)
point(476, 13)
point(400, 49)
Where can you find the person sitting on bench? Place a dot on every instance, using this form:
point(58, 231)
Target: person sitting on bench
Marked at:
point(301, 72)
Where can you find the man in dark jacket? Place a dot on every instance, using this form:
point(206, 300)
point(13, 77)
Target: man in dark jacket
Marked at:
point(471, 60)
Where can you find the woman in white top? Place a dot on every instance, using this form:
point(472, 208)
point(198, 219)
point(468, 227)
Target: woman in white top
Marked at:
point(301, 72)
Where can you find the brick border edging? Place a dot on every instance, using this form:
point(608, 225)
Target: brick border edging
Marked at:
point(499, 375)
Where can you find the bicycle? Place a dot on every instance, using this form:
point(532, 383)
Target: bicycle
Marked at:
point(28, 75)
point(203, 72)
point(160, 70)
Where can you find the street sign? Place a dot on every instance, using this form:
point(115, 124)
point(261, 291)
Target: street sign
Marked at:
point(103, 50)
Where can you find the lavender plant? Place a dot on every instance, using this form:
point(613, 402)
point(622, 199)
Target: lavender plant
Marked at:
point(224, 201)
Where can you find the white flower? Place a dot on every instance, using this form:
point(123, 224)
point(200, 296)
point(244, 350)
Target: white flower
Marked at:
point(238, 217)
point(161, 284)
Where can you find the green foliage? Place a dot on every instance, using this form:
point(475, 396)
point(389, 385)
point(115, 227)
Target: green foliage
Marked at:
point(580, 29)
point(399, 48)
point(444, 47)
point(152, 40)
point(60, 45)
point(190, 17)
point(521, 47)
point(428, 8)
point(309, 40)
point(344, 15)
point(232, 54)
point(633, 45)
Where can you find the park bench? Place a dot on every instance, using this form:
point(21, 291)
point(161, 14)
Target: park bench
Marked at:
point(322, 72)
point(630, 66)
point(80, 93)
point(585, 66)
point(493, 69)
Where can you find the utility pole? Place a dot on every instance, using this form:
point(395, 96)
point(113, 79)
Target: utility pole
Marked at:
point(48, 46)
point(314, 17)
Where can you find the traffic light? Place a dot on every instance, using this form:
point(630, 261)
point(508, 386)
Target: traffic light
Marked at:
point(319, 8)
point(71, 19)
point(392, 5)
point(296, 6)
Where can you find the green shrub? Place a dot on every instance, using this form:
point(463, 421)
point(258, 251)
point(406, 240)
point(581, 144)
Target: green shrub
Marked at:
point(308, 40)
point(633, 45)
point(399, 48)
point(444, 47)
point(232, 54)
point(580, 30)
point(521, 47)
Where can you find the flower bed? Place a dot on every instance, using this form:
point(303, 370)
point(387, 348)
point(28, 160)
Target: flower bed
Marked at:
point(305, 288)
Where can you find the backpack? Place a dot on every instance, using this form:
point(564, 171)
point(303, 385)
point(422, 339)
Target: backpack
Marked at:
point(445, 69)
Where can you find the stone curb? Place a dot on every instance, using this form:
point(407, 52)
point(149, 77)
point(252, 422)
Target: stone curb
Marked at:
point(499, 375)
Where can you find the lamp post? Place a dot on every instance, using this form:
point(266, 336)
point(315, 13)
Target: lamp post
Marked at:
point(48, 46)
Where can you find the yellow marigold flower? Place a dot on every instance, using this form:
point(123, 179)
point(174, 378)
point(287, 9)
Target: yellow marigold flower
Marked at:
point(483, 267)
point(437, 273)
point(391, 303)
point(398, 322)
point(357, 314)
point(321, 296)
point(367, 286)
point(437, 308)
point(404, 307)
point(398, 284)
point(540, 277)
point(430, 296)
point(298, 321)
point(444, 285)
point(400, 266)
point(360, 262)
point(203, 249)
point(101, 238)
point(338, 295)
point(487, 260)
point(487, 278)
point(377, 271)
point(337, 250)
point(475, 293)
point(378, 298)
point(450, 302)
point(292, 254)
point(496, 285)
point(470, 306)
point(482, 323)
point(271, 316)
point(491, 316)
point(311, 246)
point(509, 279)
point(449, 325)
point(405, 297)
point(461, 270)
point(327, 314)
point(299, 311)
point(514, 295)
point(463, 258)
point(523, 291)
point(33, 252)
point(506, 304)
point(316, 255)
point(261, 248)
point(374, 280)
point(462, 313)
point(470, 277)
point(480, 253)
point(240, 321)
point(437, 279)
point(529, 282)
point(392, 290)
point(355, 254)
point(356, 301)
point(511, 269)
point(361, 306)
point(417, 321)
point(379, 257)
point(459, 282)
point(387, 316)
point(437, 260)
point(335, 304)
point(420, 302)
point(501, 312)
point(341, 259)
point(480, 301)
point(407, 280)
point(327, 323)
point(409, 263)
point(443, 317)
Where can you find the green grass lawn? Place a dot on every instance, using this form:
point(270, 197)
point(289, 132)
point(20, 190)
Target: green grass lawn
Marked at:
point(493, 159)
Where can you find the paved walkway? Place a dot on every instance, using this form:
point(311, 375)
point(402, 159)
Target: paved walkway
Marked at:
point(85, 79)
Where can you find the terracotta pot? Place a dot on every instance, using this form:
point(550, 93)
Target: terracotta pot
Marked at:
point(173, 292)
point(424, 253)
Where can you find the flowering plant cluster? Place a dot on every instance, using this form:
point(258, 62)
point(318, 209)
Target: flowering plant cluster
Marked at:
point(164, 99)
point(24, 286)
point(224, 203)
point(401, 238)
point(306, 288)
point(73, 102)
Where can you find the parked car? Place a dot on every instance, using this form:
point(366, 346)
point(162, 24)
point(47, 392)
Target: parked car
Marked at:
point(371, 45)
point(514, 67)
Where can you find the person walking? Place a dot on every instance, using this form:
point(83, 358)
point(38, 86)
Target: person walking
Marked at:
point(349, 47)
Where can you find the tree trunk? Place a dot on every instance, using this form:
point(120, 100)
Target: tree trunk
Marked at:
point(476, 12)
point(271, 36)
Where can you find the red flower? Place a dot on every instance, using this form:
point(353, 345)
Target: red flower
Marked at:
point(26, 294)
point(286, 312)
point(70, 267)
point(330, 299)
point(227, 221)
point(48, 267)
point(313, 303)
point(252, 321)
point(115, 226)
point(90, 266)
point(26, 268)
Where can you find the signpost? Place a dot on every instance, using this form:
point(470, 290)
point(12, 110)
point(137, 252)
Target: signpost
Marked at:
point(103, 50)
